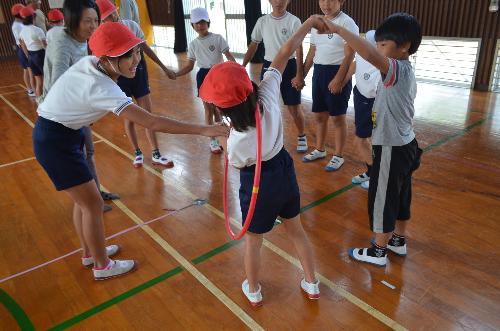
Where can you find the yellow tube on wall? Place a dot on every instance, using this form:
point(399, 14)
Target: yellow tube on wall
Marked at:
point(146, 26)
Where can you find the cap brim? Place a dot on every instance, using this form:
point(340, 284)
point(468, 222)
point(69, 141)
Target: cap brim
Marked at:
point(127, 47)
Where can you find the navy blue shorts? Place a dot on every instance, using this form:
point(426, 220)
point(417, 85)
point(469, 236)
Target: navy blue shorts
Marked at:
point(290, 95)
point(323, 99)
point(22, 57)
point(363, 114)
point(36, 60)
point(200, 77)
point(279, 193)
point(138, 86)
point(59, 150)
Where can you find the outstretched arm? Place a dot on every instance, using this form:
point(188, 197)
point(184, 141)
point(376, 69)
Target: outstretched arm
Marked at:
point(186, 69)
point(152, 55)
point(366, 50)
point(281, 59)
point(252, 48)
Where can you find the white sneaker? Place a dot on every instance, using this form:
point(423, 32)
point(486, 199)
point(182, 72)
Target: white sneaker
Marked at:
point(31, 93)
point(360, 178)
point(138, 161)
point(254, 298)
point(110, 251)
point(335, 163)
point(115, 268)
point(398, 250)
point(215, 146)
point(310, 289)
point(302, 144)
point(314, 155)
point(162, 160)
point(361, 254)
point(365, 185)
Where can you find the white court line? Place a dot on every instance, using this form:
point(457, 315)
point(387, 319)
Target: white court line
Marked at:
point(7, 86)
point(13, 92)
point(334, 287)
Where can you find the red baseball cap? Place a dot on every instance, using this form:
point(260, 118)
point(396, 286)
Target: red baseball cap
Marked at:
point(16, 9)
point(226, 85)
point(26, 11)
point(112, 39)
point(55, 15)
point(106, 8)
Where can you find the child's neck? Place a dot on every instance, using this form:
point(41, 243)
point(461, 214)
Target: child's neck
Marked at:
point(203, 34)
point(276, 13)
point(332, 16)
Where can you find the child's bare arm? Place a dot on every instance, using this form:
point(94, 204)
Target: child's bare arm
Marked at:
point(229, 56)
point(350, 72)
point(186, 69)
point(366, 50)
point(335, 85)
point(281, 59)
point(298, 80)
point(252, 48)
point(309, 60)
point(152, 55)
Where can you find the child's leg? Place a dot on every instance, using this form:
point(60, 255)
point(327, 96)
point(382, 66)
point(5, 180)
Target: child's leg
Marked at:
point(32, 79)
point(131, 134)
point(77, 221)
point(340, 125)
point(298, 118)
point(302, 245)
point(89, 200)
point(209, 113)
point(26, 78)
point(400, 229)
point(145, 103)
point(253, 243)
point(39, 85)
point(321, 129)
point(365, 150)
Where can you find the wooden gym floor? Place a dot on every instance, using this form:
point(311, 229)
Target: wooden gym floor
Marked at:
point(189, 272)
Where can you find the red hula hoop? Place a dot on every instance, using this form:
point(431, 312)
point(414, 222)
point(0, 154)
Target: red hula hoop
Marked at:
point(256, 182)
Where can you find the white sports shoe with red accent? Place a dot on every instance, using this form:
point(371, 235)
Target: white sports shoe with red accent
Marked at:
point(115, 268)
point(310, 289)
point(255, 298)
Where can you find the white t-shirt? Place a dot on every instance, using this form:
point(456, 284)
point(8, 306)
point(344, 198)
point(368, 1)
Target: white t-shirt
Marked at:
point(367, 77)
point(330, 47)
point(17, 27)
point(40, 20)
point(134, 27)
point(33, 37)
point(82, 95)
point(53, 32)
point(242, 146)
point(207, 51)
point(275, 31)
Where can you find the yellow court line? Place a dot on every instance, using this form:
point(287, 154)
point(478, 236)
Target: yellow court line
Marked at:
point(221, 296)
point(24, 87)
point(27, 120)
point(13, 92)
point(337, 289)
point(6, 86)
point(16, 162)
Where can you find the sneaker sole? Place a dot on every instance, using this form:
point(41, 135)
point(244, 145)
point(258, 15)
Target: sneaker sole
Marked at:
point(216, 152)
point(134, 268)
point(92, 264)
point(310, 296)
point(307, 161)
point(254, 304)
point(332, 169)
point(168, 165)
point(351, 255)
point(137, 165)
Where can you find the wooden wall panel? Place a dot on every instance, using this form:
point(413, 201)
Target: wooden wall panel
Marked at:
point(440, 18)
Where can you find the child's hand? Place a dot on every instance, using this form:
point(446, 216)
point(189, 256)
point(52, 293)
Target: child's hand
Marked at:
point(170, 74)
point(318, 22)
point(335, 86)
point(330, 27)
point(298, 83)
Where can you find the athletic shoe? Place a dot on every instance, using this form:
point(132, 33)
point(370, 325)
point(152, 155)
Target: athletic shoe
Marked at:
point(302, 144)
point(115, 268)
point(215, 146)
point(254, 298)
point(138, 161)
point(335, 163)
point(314, 155)
point(162, 160)
point(310, 289)
point(106, 208)
point(31, 93)
point(109, 196)
point(365, 185)
point(361, 255)
point(110, 251)
point(397, 245)
point(360, 178)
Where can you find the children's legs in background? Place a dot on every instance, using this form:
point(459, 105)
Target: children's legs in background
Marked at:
point(364, 148)
point(253, 244)
point(211, 114)
point(296, 233)
point(87, 217)
point(38, 85)
point(32, 79)
point(145, 103)
point(88, 150)
point(381, 239)
point(340, 127)
point(321, 129)
point(27, 79)
point(298, 118)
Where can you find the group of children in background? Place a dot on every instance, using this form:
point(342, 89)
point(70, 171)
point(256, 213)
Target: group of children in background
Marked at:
point(383, 102)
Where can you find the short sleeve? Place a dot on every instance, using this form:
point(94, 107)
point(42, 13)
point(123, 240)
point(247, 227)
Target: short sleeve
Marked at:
point(108, 97)
point(257, 31)
point(296, 25)
point(391, 78)
point(269, 88)
point(314, 36)
point(137, 30)
point(224, 47)
point(191, 53)
point(351, 26)
point(40, 34)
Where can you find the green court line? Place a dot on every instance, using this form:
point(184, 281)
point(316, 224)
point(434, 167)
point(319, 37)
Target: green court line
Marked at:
point(95, 310)
point(16, 311)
